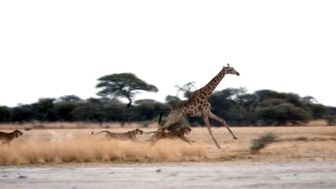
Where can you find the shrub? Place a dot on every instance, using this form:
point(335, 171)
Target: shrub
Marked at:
point(331, 120)
point(262, 141)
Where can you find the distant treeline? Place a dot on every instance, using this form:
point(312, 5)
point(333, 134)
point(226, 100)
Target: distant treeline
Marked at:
point(236, 106)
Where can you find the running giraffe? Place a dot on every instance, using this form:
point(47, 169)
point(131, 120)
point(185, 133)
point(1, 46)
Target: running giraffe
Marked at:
point(199, 106)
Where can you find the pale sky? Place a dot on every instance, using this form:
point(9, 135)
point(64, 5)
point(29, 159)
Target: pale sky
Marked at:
point(57, 48)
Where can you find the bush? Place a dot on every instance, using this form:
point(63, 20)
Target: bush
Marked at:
point(262, 141)
point(5, 114)
point(331, 120)
point(283, 114)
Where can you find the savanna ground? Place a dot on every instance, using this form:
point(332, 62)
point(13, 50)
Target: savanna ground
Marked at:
point(301, 157)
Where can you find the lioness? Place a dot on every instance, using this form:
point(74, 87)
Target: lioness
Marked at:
point(6, 138)
point(172, 134)
point(130, 135)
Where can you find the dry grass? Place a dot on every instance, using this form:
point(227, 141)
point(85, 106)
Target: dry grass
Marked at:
point(78, 145)
point(61, 146)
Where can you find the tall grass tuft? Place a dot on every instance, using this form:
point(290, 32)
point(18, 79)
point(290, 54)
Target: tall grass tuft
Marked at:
point(262, 141)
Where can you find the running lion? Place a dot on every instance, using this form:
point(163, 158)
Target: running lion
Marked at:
point(6, 138)
point(130, 135)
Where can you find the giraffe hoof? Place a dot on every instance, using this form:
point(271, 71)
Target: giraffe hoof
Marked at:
point(235, 138)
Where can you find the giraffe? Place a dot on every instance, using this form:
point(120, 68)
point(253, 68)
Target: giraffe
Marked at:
point(199, 106)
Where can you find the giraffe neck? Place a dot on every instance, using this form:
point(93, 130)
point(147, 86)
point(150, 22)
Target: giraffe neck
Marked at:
point(210, 87)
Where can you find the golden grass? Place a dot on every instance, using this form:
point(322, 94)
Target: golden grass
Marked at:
point(78, 145)
point(60, 147)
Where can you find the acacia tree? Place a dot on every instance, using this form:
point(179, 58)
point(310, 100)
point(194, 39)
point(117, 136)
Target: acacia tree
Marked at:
point(186, 89)
point(123, 85)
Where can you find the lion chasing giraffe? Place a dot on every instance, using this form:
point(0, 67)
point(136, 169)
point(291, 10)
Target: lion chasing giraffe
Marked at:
point(198, 106)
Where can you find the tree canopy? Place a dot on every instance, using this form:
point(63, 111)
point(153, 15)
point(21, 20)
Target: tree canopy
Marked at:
point(235, 105)
point(123, 85)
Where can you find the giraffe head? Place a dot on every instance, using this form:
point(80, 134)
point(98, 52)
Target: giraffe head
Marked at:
point(230, 70)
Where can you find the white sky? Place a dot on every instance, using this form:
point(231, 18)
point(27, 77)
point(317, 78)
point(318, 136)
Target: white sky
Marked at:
point(57, 48)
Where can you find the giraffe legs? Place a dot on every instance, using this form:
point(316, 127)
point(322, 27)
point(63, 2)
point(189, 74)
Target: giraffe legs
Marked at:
point(161, 129)
point(173, 117)
point(207, 123)
point(167, 124)
point(222, 121)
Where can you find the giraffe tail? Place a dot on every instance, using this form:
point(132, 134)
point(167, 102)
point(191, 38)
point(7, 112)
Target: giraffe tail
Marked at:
point(160, 118)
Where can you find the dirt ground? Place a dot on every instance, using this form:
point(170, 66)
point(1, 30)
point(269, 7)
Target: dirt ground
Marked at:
point(309, 175)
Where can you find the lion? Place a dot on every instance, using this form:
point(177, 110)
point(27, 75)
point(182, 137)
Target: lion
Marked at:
point(6, 138)
point(130, 135)
point(172, 134)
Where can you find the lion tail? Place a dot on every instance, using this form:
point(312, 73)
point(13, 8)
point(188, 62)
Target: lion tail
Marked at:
point(99, 132)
